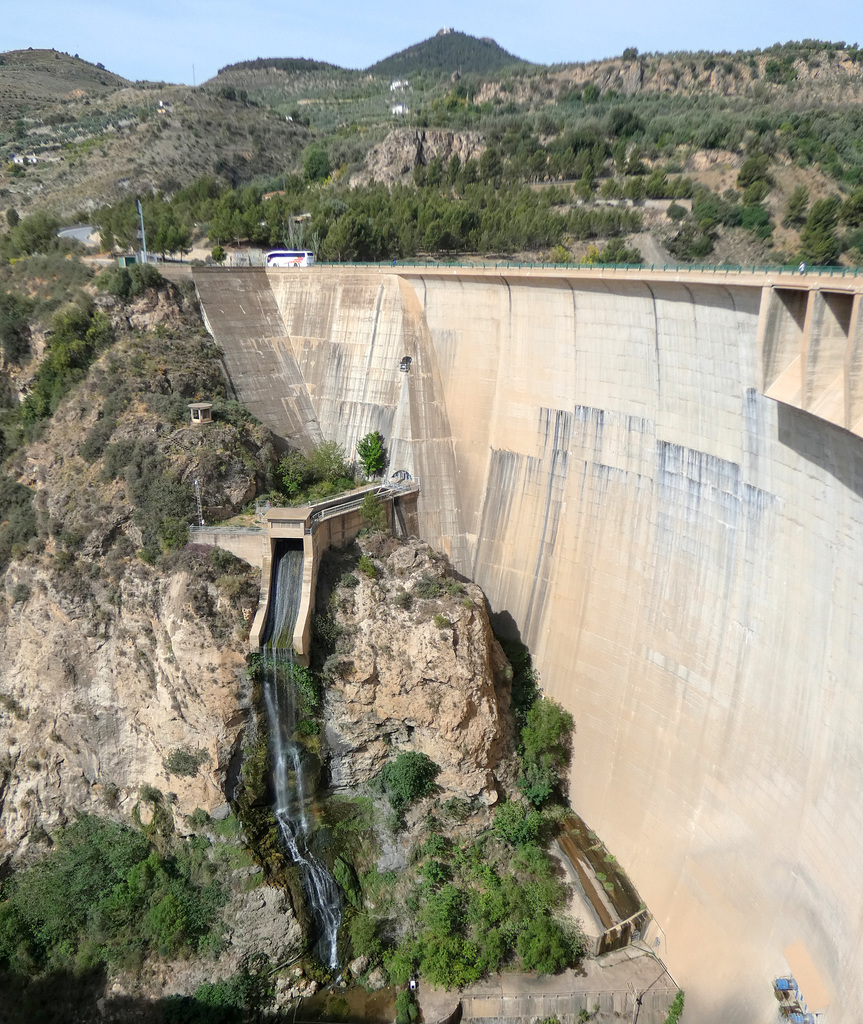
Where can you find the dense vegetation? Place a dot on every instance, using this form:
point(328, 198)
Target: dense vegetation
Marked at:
point(280, 64)
point(375, 223)
point(107, 895)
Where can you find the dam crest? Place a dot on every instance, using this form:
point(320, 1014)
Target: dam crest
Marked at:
point(657, 479)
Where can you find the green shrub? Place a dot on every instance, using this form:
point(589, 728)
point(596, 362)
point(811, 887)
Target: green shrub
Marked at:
point(367, 566)
point(77, 338)
point(129, 282)
point(15, 312)
point(17, 518)
point(99, 435)
point(410, 776)
point(442, 622)
point(545, 747)
point(516, 824)
point(183, 762)
point(103, 896)
point(428, 587)
point(224, 561)
point(401, 963)
point(222, 1002)
point(451, 961)
point(327, 462)
point(164, 504)
point(362, 929)
point(403, 600)
point(675, 1011)
point(691, 242)
point(819, 243)
point(542, 947)
point(436, 846)
point(407, 1010)
point(373, 511)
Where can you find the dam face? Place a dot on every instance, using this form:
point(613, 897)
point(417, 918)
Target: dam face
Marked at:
point(682, 554)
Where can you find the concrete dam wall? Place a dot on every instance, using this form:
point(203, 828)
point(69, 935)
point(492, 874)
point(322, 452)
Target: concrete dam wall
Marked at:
point(682, 554)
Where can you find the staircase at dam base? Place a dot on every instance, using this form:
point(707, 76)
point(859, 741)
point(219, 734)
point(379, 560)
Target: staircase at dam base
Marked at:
point(680, 550)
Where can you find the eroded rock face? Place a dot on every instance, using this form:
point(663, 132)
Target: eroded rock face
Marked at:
point(94, 697)
point(411, 682)
point(403, 149)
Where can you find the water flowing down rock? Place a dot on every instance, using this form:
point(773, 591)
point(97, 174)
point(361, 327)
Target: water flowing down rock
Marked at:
point(289, 774)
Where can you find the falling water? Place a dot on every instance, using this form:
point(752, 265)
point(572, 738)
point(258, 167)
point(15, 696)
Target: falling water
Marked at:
point(289, 777)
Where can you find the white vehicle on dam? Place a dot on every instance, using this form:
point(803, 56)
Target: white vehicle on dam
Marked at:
point(290, 258)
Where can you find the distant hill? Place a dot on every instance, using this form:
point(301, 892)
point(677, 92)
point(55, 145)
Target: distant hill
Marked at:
point(31, 78)
point(297, 64)
point(447, 52)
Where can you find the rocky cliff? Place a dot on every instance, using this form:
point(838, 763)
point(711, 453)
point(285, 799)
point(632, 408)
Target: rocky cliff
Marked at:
point(115, 652)
point(416, 667)
point(394, 159)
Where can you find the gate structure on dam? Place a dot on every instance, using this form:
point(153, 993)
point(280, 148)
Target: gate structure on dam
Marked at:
point(657, 479)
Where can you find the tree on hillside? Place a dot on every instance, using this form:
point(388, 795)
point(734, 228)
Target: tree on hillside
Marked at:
point(316, 163)
point(327, 462)
point(373, 453)
point(545, 750)
point(852, 209)
point(373, 511)
point(410, 776)
point(819, 243)
point(798, 205)
point(14, 326)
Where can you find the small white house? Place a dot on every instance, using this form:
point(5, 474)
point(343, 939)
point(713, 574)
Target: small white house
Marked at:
point(399, 110)
point(399, 83)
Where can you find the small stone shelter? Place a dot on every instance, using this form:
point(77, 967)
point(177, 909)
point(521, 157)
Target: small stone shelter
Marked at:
point(202, 412)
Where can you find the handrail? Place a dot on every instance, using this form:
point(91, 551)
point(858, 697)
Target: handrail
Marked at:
point(500, 264)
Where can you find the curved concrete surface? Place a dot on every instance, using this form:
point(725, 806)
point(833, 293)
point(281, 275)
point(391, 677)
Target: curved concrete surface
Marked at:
point(681, 553)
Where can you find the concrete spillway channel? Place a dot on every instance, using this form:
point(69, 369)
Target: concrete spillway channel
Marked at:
point(613, 914)
point(657, 479)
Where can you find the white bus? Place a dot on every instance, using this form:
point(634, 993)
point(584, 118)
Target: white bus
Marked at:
point(290, 258)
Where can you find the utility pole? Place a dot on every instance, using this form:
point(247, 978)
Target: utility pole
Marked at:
point(143, 233)
point(200, 506)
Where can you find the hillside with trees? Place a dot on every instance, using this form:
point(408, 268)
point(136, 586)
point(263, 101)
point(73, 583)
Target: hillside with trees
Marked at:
point(446, 53)
point(721, 157)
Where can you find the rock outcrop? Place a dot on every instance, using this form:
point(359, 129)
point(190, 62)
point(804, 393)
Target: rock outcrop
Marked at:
point(110, 664)
point(416, 673)
point(405, 148)
point(97, 689)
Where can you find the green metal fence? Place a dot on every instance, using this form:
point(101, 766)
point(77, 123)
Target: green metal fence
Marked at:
point(677, 268)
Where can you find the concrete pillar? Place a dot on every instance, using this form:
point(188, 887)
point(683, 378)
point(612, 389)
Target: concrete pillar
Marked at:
point(783, 339)
point(826, 340)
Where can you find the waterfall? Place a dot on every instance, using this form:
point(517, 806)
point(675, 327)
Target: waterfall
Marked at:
point(289, 777)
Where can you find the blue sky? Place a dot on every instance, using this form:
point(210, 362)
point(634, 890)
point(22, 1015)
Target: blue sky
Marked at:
point(163, 40)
